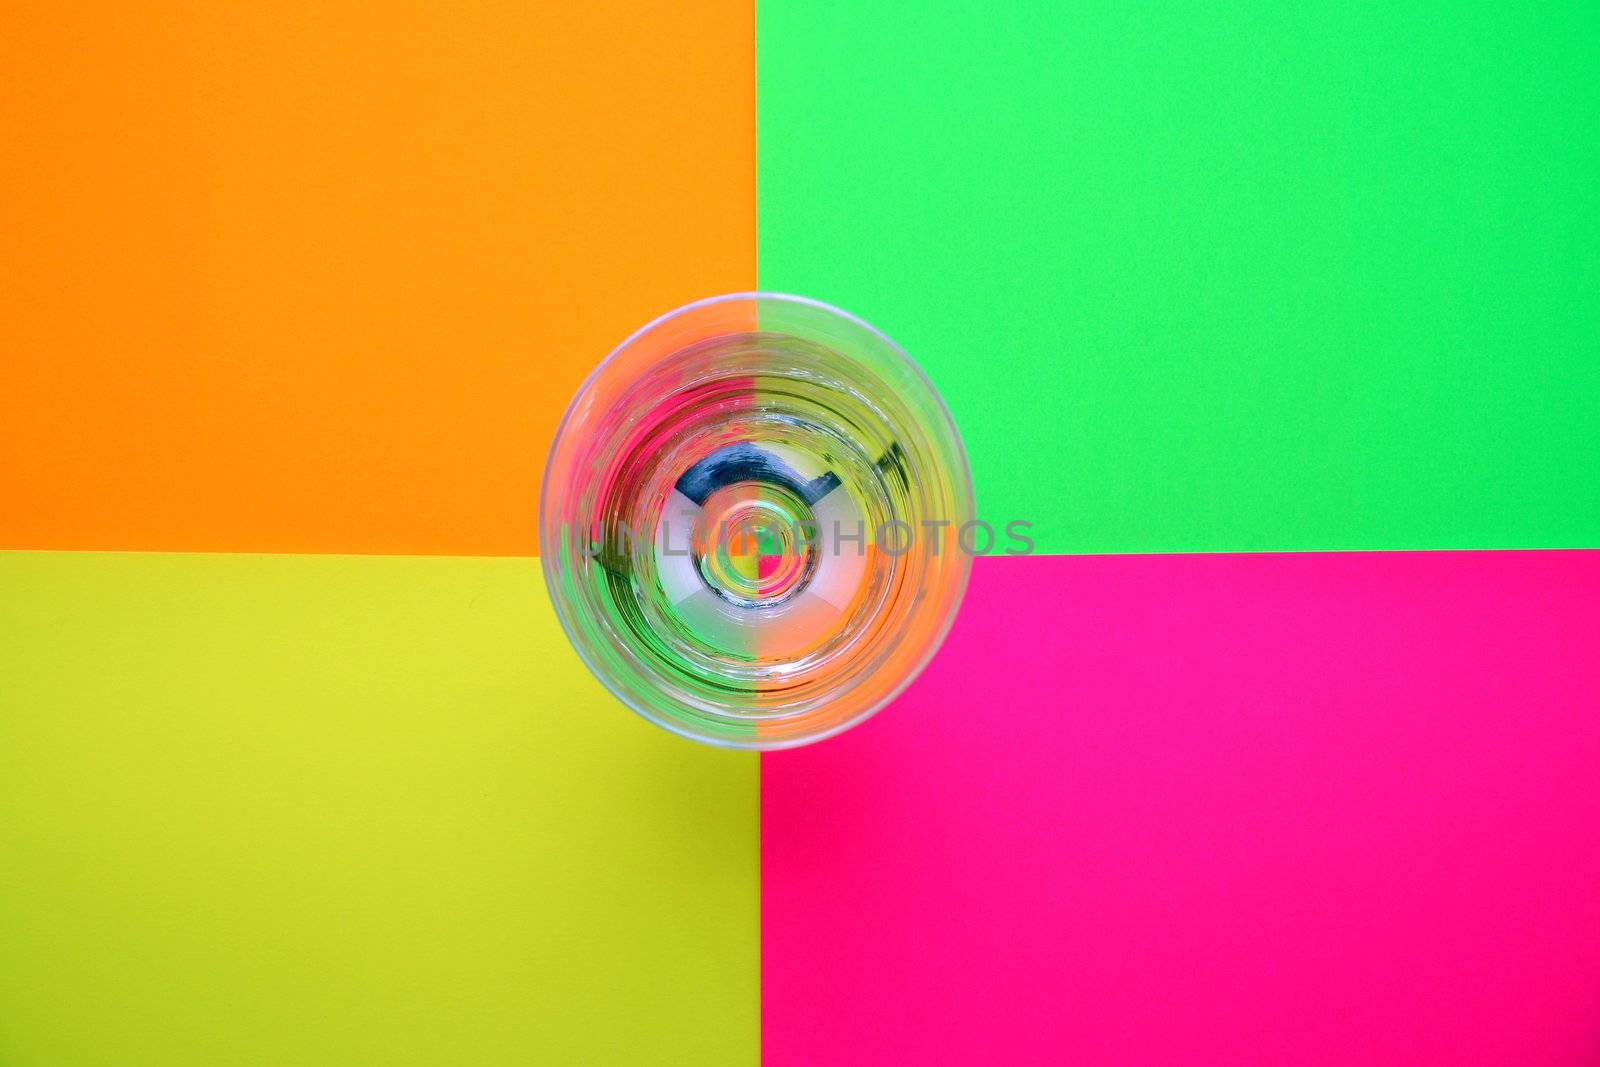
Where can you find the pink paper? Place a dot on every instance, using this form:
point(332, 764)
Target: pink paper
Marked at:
point(1293, 809)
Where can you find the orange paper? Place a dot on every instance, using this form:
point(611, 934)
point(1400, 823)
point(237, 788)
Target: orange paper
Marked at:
point(323, 278)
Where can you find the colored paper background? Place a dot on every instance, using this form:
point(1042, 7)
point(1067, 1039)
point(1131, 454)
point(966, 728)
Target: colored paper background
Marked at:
point(337, 810)
point(320, 279)
point(1309, 809)
point(1255, 278)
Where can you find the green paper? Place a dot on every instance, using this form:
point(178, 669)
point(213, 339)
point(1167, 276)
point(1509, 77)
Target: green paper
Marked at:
point(350, 810)
point(1215, 278)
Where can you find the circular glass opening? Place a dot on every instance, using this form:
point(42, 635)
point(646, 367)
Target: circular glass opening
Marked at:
point(750, 517)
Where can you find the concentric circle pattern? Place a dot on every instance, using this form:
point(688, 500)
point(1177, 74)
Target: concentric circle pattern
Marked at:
point(750, 519)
